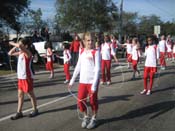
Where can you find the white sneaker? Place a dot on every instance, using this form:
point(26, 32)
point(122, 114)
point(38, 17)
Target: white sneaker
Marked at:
point(163, 68)
point(148, 92)
point(108, 82)
point(66, 81)
point(92, 124)
point(85, 122)
point(143, 92)
point(51, 77)
point(102, 83)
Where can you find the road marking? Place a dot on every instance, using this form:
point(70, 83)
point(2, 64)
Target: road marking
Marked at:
point(40, 106)
point(120, 67)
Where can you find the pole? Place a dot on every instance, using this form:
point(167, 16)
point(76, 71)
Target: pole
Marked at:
point(120, 21)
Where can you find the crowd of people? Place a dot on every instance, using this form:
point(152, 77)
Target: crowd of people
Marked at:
point(90, 57)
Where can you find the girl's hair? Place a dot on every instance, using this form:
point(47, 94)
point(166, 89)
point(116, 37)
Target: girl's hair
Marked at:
point(135, 39)
point(87, 34)
point(28, 42)
point(25, 41)
point(66, 45)
point(48, 44)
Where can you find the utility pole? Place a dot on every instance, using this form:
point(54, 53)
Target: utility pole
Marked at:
point(120, 21)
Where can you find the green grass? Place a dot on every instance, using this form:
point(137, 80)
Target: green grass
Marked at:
point(6, 72)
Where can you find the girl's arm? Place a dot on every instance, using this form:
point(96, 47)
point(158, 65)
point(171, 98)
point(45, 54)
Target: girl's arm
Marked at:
point(13, 52)
point(50, 52)
point(97, 71)
point(22, 47)
point(69, 55)
point(76, 72)
point(113, 54)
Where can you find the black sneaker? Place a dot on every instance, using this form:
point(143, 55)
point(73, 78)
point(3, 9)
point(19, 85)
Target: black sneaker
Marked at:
point(33, 113)
point(17, 116)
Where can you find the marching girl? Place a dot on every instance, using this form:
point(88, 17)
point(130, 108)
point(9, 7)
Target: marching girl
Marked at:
point(173, 51)
point(128, 46)
point(24, 75)
point(152, 55)
point(66, 58)
point(49, 56)
point(88, 67)
point(135, 57)
point(107, 51)
point(169, 47)
point(162, 49)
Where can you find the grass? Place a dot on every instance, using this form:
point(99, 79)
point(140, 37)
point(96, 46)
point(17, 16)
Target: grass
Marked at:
point(6, 72)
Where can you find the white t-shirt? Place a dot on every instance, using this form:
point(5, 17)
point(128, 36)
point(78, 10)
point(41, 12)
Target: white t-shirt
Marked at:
point(174, 48)
point(107, 50)
point(66, 56)
point(168, 45)
point(151, 53)
point(49, 56)
point(135, 53)
point(128, 48)
point(88, 66)
point(24, 70)
point(162, 46)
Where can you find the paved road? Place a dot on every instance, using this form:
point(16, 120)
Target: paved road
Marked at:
point(121, 107)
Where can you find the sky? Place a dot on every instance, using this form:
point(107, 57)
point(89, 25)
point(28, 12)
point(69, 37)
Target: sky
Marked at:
point(165, 9)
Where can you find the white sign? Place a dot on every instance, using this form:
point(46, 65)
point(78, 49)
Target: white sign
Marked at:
point(157, 29)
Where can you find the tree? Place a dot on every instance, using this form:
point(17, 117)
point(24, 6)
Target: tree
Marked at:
point(146, 24)
point(83, 15)
point(36, 17)
point(130, 23)
point(167, 28)
point(10, 11)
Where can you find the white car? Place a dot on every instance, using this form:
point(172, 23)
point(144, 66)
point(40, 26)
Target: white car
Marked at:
point(39, 46)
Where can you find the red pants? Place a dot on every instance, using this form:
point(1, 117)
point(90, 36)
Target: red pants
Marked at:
point(174, 55)
point(25, 85)
point(83, 91)
point(162, 59)
point(106, 66)
point(49, 66)
point(66, 71)
point(151, 71)
point(169, 54)
point(129, 58)
point(134, 64)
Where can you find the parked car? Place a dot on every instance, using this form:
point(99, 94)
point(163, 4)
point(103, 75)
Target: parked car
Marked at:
point(57, 51)
point(4, 59)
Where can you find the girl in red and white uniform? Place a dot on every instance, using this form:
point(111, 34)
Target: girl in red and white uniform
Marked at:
point(107, 50)
point(128, 46)
point(169, 48)
point(25, 76)
point(88, 67)
point(162, 49)
point(152, 55)
point(66, 58)
point(174, 51)
point(115, 43)
point(49, 56)
point(135, 57)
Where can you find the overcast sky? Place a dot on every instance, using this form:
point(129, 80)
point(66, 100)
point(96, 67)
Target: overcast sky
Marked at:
point(163, 8)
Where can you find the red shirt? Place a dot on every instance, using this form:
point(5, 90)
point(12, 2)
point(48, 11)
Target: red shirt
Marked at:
point(75, 46)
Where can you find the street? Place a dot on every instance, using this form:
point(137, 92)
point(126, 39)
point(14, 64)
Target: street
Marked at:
point(121, 107)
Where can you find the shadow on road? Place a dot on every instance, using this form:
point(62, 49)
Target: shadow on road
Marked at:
point(101, 101)
point(39, 98)
point(155, 109)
